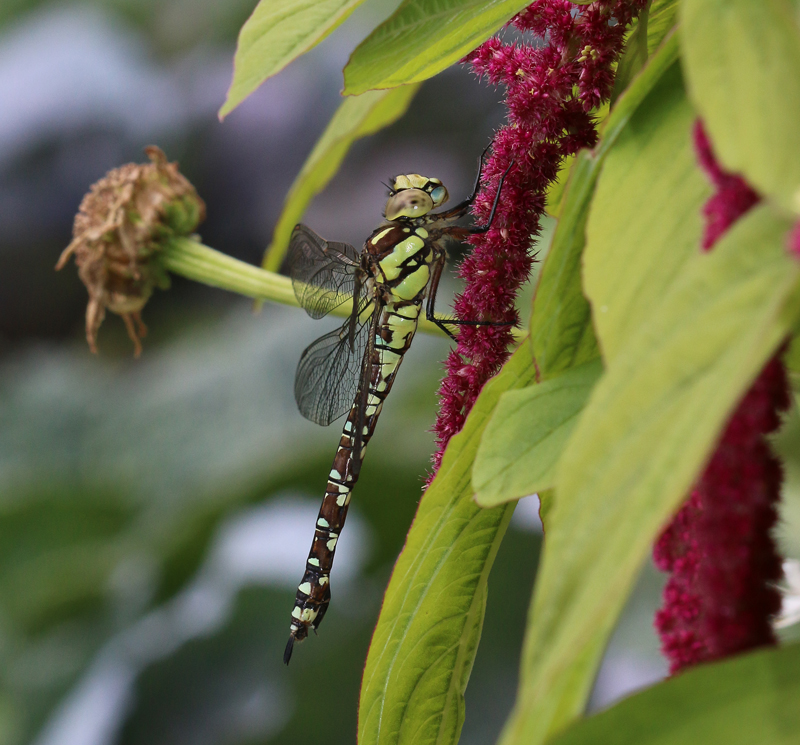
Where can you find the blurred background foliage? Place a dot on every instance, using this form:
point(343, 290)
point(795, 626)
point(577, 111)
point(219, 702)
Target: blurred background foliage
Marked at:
point(155, 514)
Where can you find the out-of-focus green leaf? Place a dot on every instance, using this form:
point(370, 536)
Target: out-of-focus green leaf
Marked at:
point(427, 634)
point(630, 262)
point(561, 327)
point(749, 699)
point(421, 39)
point(176, 442)
point(210, 683)
point(276, 33)
point(742, 63)
point(57, 555)
point(357, 117)
point(526, 435)
point(648, 428)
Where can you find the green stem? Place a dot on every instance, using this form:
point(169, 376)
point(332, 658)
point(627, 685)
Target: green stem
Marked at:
point(191, 259)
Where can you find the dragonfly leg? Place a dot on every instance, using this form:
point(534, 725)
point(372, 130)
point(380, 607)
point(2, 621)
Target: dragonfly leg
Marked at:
point(431, 301)
point(462, 208)
point(483, 228)
point(443, 323)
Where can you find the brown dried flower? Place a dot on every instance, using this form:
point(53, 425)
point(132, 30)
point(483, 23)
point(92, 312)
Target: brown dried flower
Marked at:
point(120, 228)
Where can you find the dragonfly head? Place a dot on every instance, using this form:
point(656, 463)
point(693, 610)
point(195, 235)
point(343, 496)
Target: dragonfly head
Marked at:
point(412, 195)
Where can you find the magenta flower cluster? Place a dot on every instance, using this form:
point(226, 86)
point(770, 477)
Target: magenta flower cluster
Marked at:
point(732, 198)
point(551, 90)
point(721, 596)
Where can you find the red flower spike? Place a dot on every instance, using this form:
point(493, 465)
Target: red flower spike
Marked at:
point(720, 597)
point(551, 90)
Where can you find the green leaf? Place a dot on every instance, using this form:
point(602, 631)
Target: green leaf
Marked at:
point(634, 55)
point(276, 33)
point(637, 245)
point(526, 435)
point(420, 39)
point(646, 34)
point(649, 426)
point(751, 698)
point(742, 63)
point(357, 117)
point(561, 325)
point(427, 634)
point(555, 193)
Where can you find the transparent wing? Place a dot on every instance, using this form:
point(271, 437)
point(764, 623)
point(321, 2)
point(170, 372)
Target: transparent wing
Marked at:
point(329, 370)
point(323, 273)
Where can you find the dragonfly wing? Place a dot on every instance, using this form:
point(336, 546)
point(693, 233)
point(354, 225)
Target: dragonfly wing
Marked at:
point(323, 273)
point(329, 372)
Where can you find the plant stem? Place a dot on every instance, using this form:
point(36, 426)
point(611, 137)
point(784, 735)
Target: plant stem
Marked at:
point(191, 259)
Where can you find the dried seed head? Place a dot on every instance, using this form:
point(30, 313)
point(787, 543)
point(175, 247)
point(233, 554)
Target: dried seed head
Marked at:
point(120, 228)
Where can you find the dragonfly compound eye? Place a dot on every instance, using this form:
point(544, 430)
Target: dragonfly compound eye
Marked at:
point(439, 196)
point(408, 203)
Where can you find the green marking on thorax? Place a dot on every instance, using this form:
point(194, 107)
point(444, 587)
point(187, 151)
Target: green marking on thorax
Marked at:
point(380, 235)
point(413, 283)
point(404, 250)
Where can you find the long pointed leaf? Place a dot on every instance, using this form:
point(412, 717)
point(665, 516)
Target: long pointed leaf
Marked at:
point(561, 328)
point(526, 435)
point(631, 262)
point(420, 39)
point(357, 117)
point(277, 32)
point(427, 634)
point(749, 699)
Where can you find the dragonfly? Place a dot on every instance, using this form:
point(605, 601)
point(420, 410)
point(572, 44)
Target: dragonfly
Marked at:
point(351, 370)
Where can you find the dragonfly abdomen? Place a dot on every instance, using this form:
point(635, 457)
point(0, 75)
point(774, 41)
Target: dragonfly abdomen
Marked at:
point(396, 329)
